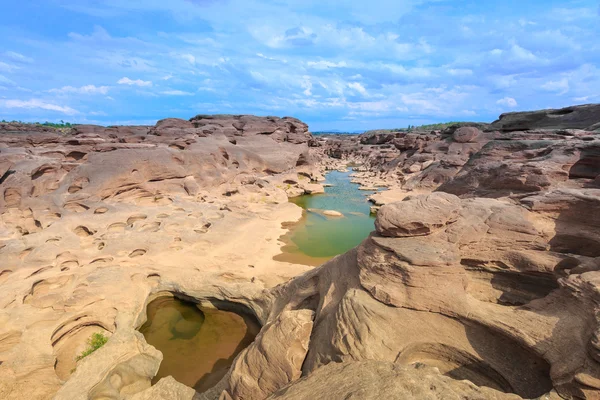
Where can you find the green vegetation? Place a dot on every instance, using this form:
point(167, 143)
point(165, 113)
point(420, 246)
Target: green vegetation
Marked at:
point(96, 341)
point(435, 127)
point(62, 123)
point(411, 128)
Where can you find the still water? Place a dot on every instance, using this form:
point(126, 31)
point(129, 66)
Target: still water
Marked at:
point(317, 238)
point(198, 344)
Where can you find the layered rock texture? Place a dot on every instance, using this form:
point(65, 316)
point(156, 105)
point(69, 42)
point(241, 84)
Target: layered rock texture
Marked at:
point(95, 221)
point(481, 279)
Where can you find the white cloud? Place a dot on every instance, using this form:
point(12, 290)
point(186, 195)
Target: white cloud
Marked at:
point(326, 64)
point(358, 87)
point(7, 67)
point(37, 103)
point(460, 72)
point(176, 93)
point(507, 102)
point(87, 89)
point(306, 84)
point(131, 82)
point(6, 81)
point(521, 53)
point(18, 57)
point(561, 86)
point(581, 99)
point(189, 58)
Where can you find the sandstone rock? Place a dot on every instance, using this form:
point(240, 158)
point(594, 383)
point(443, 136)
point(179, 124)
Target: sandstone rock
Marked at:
point(279, 129)
point(274, 359)
point(585, 117)
point(417, 216)
point(333, 213)
point(312, 188)
point(166, 389)
point(384, 380)
point(466, 134)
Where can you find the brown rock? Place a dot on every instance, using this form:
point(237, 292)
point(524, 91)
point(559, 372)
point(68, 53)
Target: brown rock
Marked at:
point(274, 359)
point(466, 134)
point(419, 215)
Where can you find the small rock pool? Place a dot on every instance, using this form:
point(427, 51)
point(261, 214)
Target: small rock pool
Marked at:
point(317, 237)
point(198, 344)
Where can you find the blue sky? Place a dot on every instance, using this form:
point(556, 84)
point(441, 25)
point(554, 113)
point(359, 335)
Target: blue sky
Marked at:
point(344, 64)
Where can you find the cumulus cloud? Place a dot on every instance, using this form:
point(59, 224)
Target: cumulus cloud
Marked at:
point(507, 102)
point(316, 64)
point(132, 82)
point(87, 89)
point(306, 84)
point(37, 103)
point(561, 86)
point(358, 87)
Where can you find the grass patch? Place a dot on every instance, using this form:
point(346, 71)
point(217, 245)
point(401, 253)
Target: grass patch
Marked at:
point(96, 341)
point(56, 125)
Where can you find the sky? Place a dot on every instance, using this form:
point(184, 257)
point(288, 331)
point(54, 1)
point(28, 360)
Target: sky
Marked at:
point(346, 64)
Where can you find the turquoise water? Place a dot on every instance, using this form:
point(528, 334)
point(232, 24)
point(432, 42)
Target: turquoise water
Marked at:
point(317, 238)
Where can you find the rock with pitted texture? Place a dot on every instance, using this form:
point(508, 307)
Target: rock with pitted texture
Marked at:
point(94, 221)
point(285, 129)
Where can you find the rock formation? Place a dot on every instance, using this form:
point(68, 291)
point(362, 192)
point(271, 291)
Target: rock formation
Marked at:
point(481, 279)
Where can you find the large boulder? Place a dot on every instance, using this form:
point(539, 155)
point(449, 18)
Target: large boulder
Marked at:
point(274, 359)
point(466, 134)
point(419, 215)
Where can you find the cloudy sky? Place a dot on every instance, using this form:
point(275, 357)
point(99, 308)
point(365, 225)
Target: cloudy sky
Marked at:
point(343, 64)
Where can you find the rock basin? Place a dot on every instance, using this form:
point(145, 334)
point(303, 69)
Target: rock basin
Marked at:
point(198, 343)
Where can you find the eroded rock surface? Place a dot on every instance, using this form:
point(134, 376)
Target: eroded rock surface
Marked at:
point(481, 279)
point(96, 221)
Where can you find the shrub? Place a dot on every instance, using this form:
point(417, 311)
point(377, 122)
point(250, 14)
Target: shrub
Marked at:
point(96, 341)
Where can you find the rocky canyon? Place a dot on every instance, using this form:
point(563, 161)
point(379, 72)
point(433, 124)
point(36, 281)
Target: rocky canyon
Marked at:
point(480, 278)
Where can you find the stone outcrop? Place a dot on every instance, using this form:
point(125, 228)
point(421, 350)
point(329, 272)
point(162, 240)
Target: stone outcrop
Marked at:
point(285, 129)
point(374, 380)
point(94, 221)
point(586, 117)
point(274, 359)
point(491, 297)
point(483, 282)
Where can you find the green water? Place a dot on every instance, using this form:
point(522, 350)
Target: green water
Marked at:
point(317, 237)
point(198, 344)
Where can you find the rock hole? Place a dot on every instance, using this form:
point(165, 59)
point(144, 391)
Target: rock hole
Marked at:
point(198, 342)
point(83, 231)
point(137, 253)
point(134, 218)
point(75, 155)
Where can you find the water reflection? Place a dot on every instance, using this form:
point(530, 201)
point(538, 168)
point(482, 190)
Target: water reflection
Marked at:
point(198, 344)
